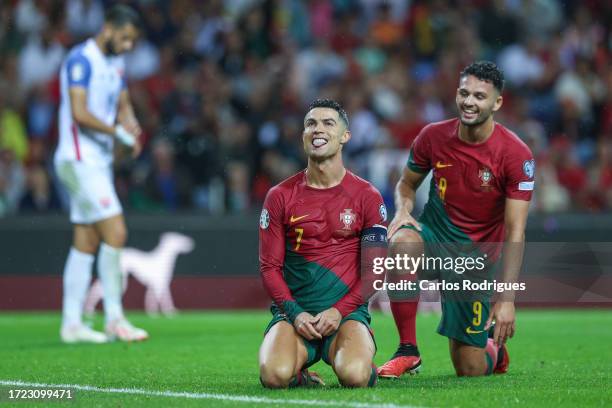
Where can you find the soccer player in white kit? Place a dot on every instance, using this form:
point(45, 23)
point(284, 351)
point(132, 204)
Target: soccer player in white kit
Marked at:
point(95, 110)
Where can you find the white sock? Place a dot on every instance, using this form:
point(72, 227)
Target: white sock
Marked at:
point(110, 275)
point(77, 276)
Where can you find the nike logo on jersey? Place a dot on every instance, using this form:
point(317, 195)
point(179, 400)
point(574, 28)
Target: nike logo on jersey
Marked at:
point(469, 330)
point(440, 165)
point(295, 219)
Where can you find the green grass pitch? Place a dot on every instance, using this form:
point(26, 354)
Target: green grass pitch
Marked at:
point(558, 358)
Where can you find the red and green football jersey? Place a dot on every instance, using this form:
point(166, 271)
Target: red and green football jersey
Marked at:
point(471, 181)
point(310, 243)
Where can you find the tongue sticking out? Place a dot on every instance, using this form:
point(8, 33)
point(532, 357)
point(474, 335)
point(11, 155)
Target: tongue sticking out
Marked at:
point(319, 142)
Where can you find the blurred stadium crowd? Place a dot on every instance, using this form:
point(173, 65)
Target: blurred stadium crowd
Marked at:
point(220, 88)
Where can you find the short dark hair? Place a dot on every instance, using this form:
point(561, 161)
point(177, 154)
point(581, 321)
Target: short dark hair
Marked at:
point(119, 15)
point(330, 103)
point(486, 71)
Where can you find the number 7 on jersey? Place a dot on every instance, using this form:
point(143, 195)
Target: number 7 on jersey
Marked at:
point(299, 232)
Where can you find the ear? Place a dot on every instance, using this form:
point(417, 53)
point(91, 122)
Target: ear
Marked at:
point(498, 103)
point(107, 30)
point(346, 136)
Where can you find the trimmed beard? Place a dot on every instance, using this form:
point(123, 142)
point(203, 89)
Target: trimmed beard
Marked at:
point(479, 120)
point(110, 48)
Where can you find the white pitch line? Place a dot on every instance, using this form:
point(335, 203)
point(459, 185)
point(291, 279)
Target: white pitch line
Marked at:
point(196, 395)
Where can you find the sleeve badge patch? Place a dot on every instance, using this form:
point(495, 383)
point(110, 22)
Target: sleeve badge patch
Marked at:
point(529, 168)
point(264, 219)
point(77, 72)
point(383, 212)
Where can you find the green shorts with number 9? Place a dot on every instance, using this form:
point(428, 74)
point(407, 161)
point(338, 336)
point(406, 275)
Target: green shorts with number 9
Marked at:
point(464, 312)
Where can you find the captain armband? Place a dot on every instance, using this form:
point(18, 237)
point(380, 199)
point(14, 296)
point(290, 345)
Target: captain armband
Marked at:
point(375, 235)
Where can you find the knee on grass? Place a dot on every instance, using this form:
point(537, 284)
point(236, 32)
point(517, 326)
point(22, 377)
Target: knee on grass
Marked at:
point(275, 376)
point(355, 374)
point(469, 369)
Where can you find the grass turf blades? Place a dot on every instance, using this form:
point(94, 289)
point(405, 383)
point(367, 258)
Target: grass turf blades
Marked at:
point(559, 358)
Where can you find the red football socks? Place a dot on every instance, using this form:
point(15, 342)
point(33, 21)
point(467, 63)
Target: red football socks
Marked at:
point(404, 314)
point(491, 351)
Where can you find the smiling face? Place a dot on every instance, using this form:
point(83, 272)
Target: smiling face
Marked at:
point(324, 134)
point(476, 100)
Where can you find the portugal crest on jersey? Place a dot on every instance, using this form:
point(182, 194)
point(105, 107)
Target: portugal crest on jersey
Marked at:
point(486, 176)
point(347, 217)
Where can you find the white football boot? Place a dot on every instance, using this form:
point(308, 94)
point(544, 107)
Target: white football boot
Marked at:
point(81, 334)
point(121, 329)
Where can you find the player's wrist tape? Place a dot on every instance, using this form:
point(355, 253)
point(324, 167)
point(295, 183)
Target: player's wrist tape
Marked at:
point(124, 136)
point(292, 310)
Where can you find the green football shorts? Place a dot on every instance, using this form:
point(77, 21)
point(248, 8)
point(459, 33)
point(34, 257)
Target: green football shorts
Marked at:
point(319, 349)
point(464, 312)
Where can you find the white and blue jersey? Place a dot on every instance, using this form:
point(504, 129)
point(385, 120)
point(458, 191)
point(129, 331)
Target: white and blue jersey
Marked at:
point(103, 77)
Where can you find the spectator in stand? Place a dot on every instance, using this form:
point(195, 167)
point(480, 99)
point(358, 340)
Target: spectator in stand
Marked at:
point(84, 17)
point(40, 59)
point(39, 196)
point(12, 130)
point(207, 69)
point(12, 182)
point(167, 183)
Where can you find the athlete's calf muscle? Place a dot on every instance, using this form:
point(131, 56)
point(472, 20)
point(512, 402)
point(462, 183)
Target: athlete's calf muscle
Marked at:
point(469, 361)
